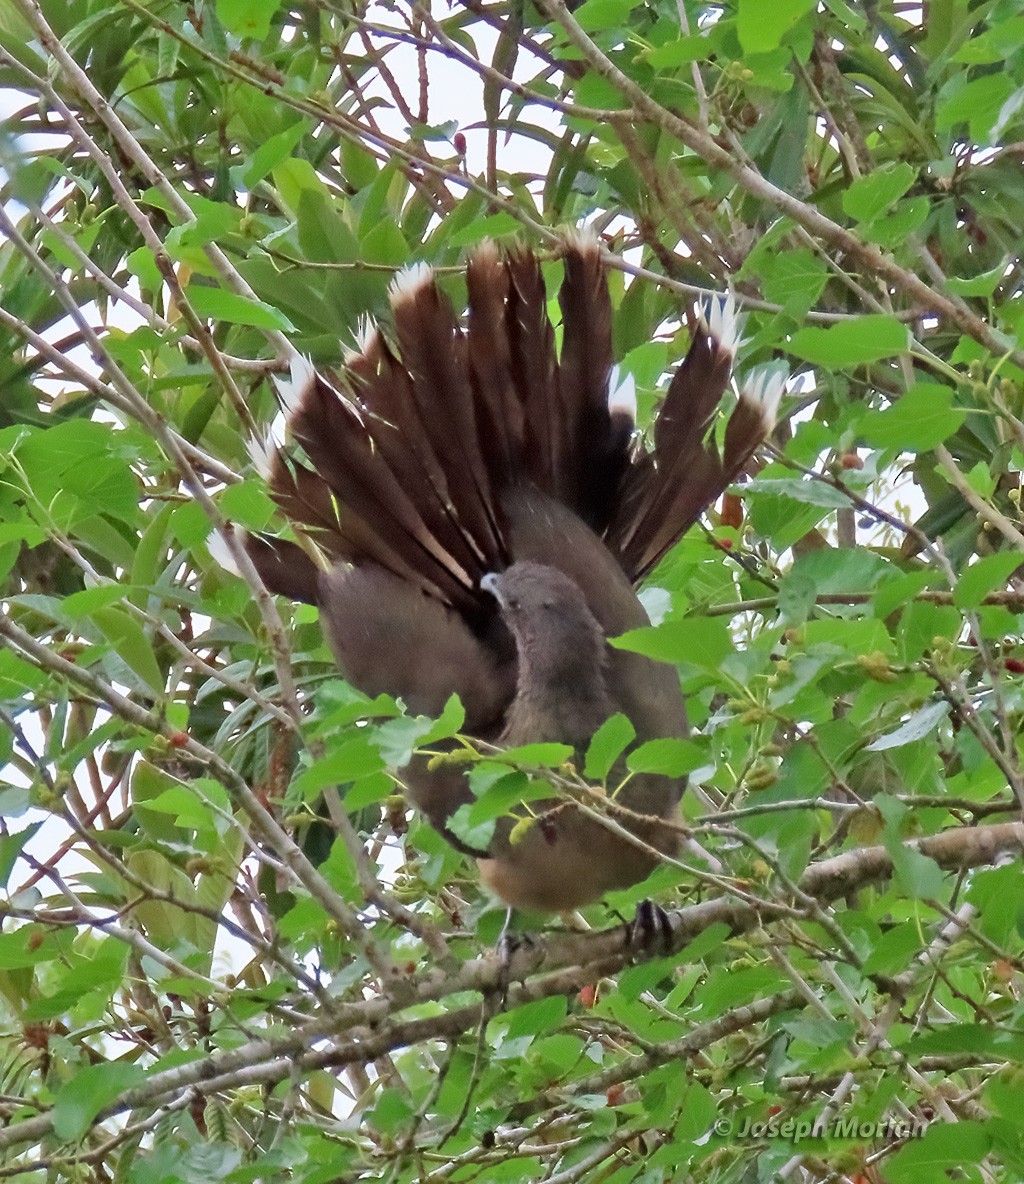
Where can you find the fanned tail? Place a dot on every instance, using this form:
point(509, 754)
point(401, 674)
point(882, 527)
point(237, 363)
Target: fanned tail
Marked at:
point(406, 460)
point(664, 492)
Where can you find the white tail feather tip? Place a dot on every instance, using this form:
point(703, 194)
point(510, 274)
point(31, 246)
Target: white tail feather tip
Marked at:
point(291, 389)
point(366, 332)
point(409, 280)
point(261, 450)
point(764, 390)
point(622, 393)
point(724, 322)
point(583, 239)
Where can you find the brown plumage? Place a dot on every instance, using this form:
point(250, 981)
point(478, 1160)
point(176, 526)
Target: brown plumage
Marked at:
point(484, 513)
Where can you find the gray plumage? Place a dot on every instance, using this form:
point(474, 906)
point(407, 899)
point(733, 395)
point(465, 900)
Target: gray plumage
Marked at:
point(484, 514)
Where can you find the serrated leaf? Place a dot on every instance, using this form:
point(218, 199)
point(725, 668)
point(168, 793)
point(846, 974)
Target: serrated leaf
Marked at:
point(607, 745)
point(353, 759)
point(596, 15)
point(188, 809)
point(852, 342)
point(983, 284)
point(671, 757)
point(800, 489)
point(701, 641)
point(547, 756)
point(916, 422)
point(878, 191)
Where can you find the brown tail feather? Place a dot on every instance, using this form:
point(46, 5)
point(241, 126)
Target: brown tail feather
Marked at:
point(433, 352)
point(375, 518)
point(594, 454)
point(532, 353)
point(284, 568)
point(412, 457)
point(499, 412)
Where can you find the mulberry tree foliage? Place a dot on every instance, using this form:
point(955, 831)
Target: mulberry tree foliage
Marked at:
point(227, 950)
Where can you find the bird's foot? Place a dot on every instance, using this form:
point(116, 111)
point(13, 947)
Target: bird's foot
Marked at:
point(650, 931)
point(514, 952)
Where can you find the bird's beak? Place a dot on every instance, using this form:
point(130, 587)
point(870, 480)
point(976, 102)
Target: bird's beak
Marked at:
point(492, 583)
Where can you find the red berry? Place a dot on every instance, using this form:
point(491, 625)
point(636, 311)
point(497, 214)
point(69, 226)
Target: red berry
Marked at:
point(178, 739)
point(459, 142)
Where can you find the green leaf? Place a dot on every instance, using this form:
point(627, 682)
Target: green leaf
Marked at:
point(86, 1094)
point(495, 226)
point(878, 191)
point(916, 422)
point(983, 577)
point(130, 644)
point(979, 285)
point(545, 756)
point(247, 18)
point(542, 1015)
point(188, 808)
point(29, 946)
point(142, 264)
point(217, 305)
point(675, 53)
point(368, 790)
point(944, 1149)
point(352, 760)
point(800, 489)
point(448, 723)
point(86, 602)
point(596, 15)
point(793, 278)
point(272, 152)
point(995, 44)
point(246, 503)
point(11, 846)
point(607, 745)
point(700, 641)
point(921, 723)
point(391, 1113)
point(890, 230)
point(895, 950)
point(761, 27)
point(852, 342)
point(671, 757)
point(978, 102)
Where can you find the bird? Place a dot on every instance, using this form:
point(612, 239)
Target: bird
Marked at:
point(481, 509)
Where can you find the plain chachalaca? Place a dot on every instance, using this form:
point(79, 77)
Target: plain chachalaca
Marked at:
point(484, 509)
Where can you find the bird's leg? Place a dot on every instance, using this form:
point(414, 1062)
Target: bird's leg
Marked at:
point(508, 945)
